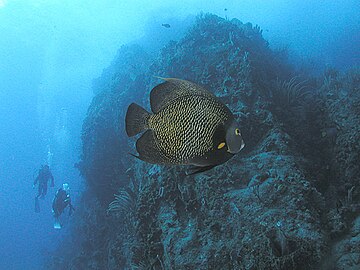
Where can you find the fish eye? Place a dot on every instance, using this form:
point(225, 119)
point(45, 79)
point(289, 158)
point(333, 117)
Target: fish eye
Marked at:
point(237, 131)
point(221, 145)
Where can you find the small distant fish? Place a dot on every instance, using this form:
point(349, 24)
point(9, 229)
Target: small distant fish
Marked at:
point(166, 25)
point(189, 126)
point(225, 9)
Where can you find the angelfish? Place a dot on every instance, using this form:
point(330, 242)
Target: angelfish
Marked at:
point(189, 126)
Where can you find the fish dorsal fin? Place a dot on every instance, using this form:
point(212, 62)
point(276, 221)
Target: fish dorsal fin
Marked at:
point(162, 94)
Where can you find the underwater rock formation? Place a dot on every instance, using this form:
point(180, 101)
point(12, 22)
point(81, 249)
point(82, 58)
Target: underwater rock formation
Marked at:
point(288, 201)
point(104, 158)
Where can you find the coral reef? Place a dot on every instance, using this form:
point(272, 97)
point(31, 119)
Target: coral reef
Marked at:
point(289, 200)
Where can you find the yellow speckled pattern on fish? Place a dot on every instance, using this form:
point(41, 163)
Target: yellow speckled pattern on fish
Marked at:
point(185, 127)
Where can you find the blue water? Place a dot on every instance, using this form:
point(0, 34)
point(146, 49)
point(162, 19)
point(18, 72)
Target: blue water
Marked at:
point(50, 51)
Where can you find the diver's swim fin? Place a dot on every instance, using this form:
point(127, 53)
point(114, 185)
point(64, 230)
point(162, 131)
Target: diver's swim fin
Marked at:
point(57, 224)
point(37, 205)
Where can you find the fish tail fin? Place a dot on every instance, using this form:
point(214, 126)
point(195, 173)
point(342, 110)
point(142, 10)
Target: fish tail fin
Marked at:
point(136, 119)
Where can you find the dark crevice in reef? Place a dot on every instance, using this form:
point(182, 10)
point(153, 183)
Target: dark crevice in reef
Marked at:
point(290, 200)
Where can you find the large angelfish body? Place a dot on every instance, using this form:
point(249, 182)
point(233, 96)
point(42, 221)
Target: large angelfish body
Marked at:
point(189, 126)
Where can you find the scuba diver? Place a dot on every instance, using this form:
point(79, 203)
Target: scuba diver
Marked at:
point(42, 178)
point(61, 201)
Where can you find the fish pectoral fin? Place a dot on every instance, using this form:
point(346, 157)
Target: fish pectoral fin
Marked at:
point(148, 149)
point(197, 169)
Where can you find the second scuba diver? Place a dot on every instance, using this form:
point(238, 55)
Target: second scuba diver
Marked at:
point(61, 201)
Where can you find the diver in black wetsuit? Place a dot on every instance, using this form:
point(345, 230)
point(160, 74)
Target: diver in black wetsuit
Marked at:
point(61, 201)
point(43, 177)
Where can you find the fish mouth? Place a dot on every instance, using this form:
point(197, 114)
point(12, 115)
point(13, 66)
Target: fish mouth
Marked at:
point(237, 150)
point(242, 145)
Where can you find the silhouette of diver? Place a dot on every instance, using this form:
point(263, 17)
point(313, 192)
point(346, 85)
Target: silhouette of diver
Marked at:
point(43, 177)
point(61, 201)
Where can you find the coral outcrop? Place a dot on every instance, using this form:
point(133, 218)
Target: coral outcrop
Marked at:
point(289, 200)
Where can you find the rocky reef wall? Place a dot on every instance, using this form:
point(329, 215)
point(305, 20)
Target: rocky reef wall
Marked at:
point(289, 200)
